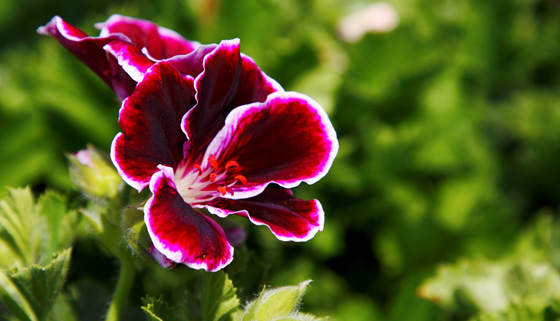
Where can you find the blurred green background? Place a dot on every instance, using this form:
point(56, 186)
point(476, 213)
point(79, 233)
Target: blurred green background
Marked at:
point(446, 186)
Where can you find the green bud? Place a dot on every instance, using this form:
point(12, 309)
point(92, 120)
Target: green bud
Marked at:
point(93, 173)
point(276, 303)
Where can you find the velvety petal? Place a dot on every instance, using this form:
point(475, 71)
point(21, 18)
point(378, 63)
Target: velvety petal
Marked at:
point(229, 79)
point(289, 218)
point(121, 82)
point(161, 42)
point(254, 85)
point(179, 232)
point(88, 49)
point(192, 64)
point(286, 140)
point(131, 58)
point(150, 122)
point(216, 87)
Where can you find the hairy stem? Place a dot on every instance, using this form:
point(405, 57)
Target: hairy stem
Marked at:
point(124, 283)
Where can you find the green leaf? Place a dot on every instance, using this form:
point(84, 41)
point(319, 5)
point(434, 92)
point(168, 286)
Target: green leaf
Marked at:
point(58, 231)
point(35, 230)
point(157, 310)
point(491, 287)
point(30, 292)
point(519, 313)
point(275, 303)
point(17, 213)
point(219, 298)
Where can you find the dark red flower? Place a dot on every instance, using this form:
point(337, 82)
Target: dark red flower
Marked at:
point(211, 130)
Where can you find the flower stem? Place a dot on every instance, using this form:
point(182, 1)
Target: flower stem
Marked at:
point(126, 276)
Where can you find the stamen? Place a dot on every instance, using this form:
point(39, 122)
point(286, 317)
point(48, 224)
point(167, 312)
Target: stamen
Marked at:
point(199, 169)
point(213, 162)
point(231, 164)
point(222, 190)
point(213, 177)
point(241, 178)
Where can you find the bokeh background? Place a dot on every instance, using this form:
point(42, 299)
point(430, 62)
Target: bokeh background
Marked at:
point(443, 201)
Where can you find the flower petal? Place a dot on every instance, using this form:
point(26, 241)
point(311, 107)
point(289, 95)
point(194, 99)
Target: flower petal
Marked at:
point(90, 51)
point(254, 85)
point(229, 79)
point(149, 120)
point(131, 58)
point(289, 218)
point(286, 140)
point(161, 42)
point(191, 64)
point(216, 87)
point(179, 232)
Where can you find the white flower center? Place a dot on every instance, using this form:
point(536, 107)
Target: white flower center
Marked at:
point(197, 185)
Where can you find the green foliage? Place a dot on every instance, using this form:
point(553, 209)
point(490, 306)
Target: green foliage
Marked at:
point(450, 145)
point(219, 299)
point(219, 302)
point(30, 232)
point(157, 310)
point(30, 292)
point(523, 286)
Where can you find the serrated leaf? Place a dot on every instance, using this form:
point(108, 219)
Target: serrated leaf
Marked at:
point(35, 230)
point(30, 292)
point(275, 303)
point(219, 299)
point(157, 310)
point(58, 228)
point(17, 212)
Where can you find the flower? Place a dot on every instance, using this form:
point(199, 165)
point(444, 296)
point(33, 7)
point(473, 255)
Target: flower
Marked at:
point(380, 17)
point(211, 131)
point(124, 50)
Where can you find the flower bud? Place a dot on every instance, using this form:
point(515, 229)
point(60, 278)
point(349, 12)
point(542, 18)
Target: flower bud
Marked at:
point(93, 173)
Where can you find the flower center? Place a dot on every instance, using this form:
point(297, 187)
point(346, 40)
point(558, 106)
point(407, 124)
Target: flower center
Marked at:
point(200, 185)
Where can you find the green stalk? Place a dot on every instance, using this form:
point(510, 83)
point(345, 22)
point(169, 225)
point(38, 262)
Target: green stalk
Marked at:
point(124, 283)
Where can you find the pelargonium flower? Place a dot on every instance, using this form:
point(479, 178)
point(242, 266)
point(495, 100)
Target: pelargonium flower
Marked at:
point(212, 131)
point(124, 50)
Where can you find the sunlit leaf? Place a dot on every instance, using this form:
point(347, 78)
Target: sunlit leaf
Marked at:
point(30, 292)
point(219, 299)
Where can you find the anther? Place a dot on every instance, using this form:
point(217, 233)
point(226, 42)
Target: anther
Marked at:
point(199, 169)
point(213, 162)
point(240, 178)
point(213, 177)
point(222, 190)
point(231, 164)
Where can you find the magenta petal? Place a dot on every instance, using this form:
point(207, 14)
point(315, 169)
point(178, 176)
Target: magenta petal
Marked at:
point(229, 80)
point(179, 232)
point(150, 122)
point(216, 87)
point(88, 49)
point(286, 140)
point(131, 58)
point(161, 259)
point(191, 64)
point(254, 85)
point(160, 42)
point(289, 218)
